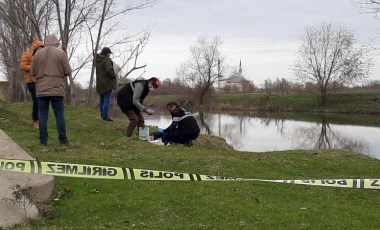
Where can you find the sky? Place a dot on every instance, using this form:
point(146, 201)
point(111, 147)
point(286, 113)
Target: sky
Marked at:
point(264, 35)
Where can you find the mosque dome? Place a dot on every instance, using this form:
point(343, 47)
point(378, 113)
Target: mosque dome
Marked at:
point(236, 77)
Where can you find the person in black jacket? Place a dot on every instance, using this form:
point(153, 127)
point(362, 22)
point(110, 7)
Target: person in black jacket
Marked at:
point(130, 99)
point(183, 129)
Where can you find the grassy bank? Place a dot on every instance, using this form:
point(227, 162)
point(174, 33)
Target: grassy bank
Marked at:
point(345, 102)
point(117, 204)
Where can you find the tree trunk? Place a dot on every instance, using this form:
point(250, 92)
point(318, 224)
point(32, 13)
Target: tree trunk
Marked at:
point(202, 96)
point(70, 93)
point(104, 10)
point(323, 96)
point(91, 82)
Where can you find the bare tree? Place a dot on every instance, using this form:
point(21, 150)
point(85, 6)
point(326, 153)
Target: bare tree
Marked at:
point(369, 6)
point(131, 45)
point(268, 86)
point(247, 86)
point(329, 57)
point(10, 59)
point(26, 20)
point(281, 85)
point(21, 22)
point(33, 19)
point(205, 67)
point(71, 17)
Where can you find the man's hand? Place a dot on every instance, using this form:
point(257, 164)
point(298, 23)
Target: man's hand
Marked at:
point(149, 111)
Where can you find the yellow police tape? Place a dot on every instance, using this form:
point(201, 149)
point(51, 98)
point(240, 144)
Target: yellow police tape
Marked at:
point(105, 172)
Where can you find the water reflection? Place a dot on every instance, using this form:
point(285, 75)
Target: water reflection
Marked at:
point(325, 136)
point(266, 133)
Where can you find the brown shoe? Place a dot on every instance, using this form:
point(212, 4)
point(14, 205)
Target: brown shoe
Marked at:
point(36, 124)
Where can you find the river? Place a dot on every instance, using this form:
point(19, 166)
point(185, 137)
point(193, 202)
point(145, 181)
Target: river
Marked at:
point(263, 133)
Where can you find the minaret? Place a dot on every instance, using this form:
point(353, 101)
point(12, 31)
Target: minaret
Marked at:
point(240, 70)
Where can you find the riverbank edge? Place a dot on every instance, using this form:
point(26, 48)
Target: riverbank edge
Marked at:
point(287, 110)
point(340, 103)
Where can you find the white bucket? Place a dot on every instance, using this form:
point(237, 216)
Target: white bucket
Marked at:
point(144, 133)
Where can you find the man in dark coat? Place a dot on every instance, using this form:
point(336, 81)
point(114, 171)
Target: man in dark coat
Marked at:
point(183, 129)
point(130, 99)
point(105, 81)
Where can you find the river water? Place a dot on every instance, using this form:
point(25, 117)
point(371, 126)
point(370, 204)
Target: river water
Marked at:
point(255, 133)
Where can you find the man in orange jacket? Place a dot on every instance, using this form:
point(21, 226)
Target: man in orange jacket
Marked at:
point(26, 66)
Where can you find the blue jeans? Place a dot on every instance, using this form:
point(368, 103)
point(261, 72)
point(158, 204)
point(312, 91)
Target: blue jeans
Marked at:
point(32, 90)
point(104, 104)
point(58, 107)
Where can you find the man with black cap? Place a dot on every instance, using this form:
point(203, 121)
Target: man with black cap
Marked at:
point(130, 99)
point(105, 81)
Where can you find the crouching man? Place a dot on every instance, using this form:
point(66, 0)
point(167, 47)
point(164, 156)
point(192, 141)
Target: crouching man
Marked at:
point(183, 129)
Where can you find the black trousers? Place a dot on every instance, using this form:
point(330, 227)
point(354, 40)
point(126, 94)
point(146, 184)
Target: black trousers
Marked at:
point(179, 136)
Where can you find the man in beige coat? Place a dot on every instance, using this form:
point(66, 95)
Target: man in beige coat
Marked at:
point(51, 66)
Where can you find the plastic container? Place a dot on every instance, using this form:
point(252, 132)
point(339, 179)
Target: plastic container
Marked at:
point(144, 133)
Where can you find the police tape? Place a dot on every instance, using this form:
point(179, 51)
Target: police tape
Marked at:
point(106, 172)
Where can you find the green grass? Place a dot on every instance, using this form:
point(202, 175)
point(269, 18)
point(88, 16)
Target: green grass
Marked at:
point(123, 204)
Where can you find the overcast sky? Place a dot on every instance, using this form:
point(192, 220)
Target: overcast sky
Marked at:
point(263, 34)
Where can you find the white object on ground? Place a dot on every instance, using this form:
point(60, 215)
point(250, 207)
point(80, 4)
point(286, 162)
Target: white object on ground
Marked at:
point(144, 133)
point(157, 142)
